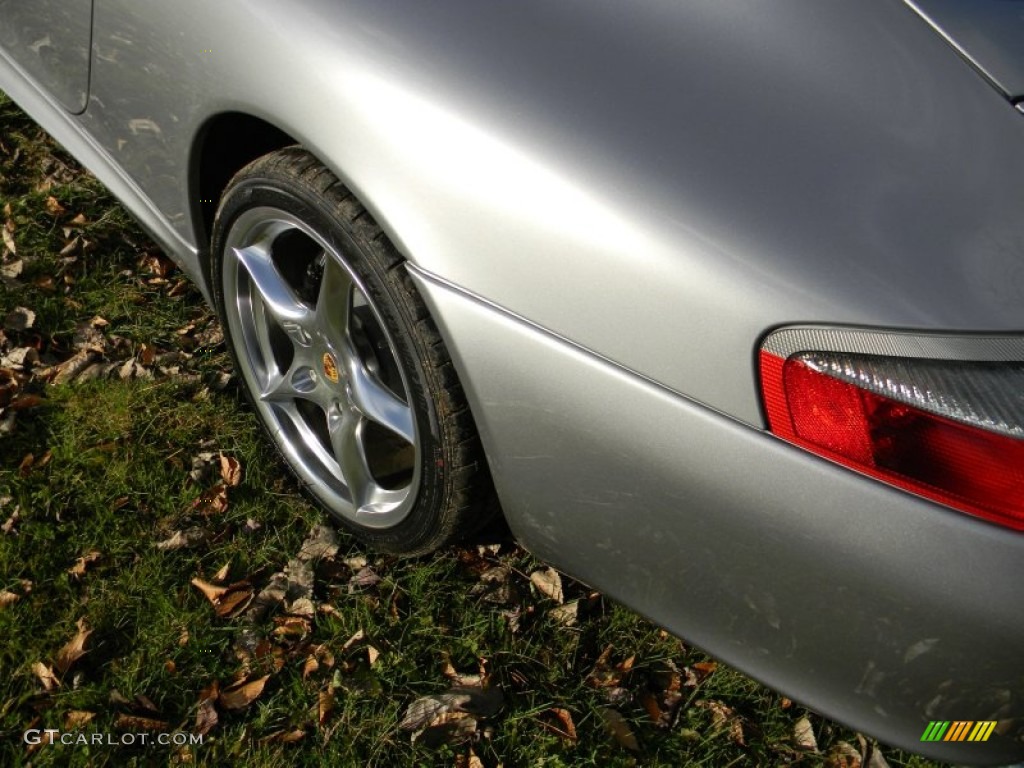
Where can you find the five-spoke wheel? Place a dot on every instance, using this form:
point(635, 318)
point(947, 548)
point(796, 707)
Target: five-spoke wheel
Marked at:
point(337, 354)
point(318, 363)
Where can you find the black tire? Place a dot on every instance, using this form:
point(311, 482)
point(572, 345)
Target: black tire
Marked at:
point(388, 332)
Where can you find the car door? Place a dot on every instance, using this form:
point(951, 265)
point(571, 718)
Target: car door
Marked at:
point(50, 40)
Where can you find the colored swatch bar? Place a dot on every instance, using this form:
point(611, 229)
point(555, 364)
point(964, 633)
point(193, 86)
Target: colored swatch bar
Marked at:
point(958, 730)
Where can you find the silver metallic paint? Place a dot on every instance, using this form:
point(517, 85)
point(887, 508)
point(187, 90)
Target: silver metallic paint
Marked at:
point(749, 165)
point(50, 39)
point(988, 33)
point(659, 184)
point(859, 600)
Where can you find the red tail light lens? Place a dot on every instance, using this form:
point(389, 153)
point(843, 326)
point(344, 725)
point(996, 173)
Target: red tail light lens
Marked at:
point(949, 432)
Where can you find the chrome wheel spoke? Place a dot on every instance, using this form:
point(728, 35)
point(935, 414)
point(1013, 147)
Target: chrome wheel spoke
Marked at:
point(334, 301)
point(347, 443)
point(298, 382)
point(377, 402)
point(261, 325)
point(278, 298)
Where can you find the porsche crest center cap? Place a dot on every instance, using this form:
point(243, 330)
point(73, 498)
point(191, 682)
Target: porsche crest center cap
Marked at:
point(330, 368)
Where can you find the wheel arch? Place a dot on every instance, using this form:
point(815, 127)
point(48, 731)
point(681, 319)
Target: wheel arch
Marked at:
point(224, 144)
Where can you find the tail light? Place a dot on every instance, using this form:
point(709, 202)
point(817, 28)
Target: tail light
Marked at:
point(950, 430)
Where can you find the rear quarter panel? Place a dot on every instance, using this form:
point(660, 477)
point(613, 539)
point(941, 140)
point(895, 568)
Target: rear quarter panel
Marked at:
point(660, 183)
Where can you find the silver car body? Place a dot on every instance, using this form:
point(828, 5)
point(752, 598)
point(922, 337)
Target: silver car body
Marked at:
point(607, 207)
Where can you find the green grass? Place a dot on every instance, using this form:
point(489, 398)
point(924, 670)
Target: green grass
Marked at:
point(116, 480)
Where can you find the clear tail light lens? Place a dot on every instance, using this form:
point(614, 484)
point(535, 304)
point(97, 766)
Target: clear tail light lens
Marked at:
point(950, 431)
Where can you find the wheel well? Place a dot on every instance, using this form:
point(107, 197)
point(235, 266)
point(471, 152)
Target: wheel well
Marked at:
point(224, 145)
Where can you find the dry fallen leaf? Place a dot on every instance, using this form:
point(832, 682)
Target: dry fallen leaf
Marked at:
point(425, 709)
point(82, 564)
point(549, 583)
point(235, 600)
point(204, 468)
point(7, 232)
point(356, 562)
point(803, 735)
point(206, 717)
point(875, 758)
point(565, 728)
point(566, 615)
point(722, 716)
point(19, 319)
point(703, 669)
point(53, 206)
point(309, 666)
point(365, 577)
point(24, 402)
point(323, 655)
point(736, 732)
point(8, 527)
point(74, 649)
point(322, 543)
point(206, 714)
point(468, 679)
point(76, 718)
point(137, 723)
point(448, 728)
point(180, 288)
point(21, 359)
point(8, 598)
point(284, 737)
point(118, 699)
point(292, 626)
point(325, 705)
point(619, 728)
point(222, 574)
point(156, 264)
point(212, 501)
point(230, 471)
point(604, 675)
point(227, 600)
point(183, 539)
point(720, 713)
point(843, 755)
point(211, 592)
point(73, 366)
point(70, 245)
point(45, 675)
point(12, 269)
point(654, 710)
point(269, 598)
point(241, 695)
point(302, 607)
point(144, 703)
